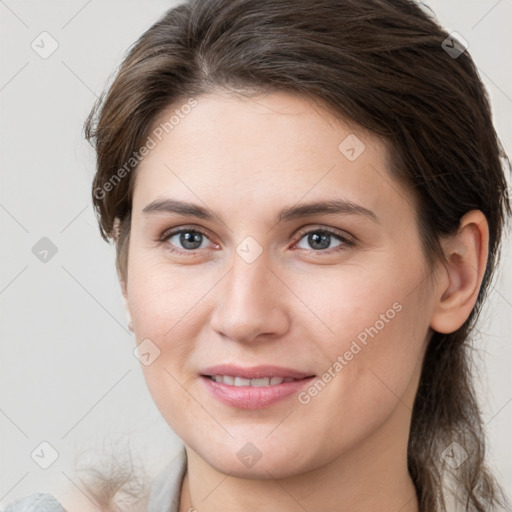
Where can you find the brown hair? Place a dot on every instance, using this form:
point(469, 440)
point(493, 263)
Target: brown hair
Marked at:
point(384, 64)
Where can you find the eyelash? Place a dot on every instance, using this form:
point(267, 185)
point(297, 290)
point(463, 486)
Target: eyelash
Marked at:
point(345, 241)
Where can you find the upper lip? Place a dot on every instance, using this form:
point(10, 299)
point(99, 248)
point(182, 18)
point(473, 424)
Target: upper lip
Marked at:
point(254, 372)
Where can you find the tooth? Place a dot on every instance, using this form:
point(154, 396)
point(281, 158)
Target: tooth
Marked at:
point(260, 382)
point(239, 381)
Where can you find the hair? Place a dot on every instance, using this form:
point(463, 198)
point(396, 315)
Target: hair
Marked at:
point(381, 64)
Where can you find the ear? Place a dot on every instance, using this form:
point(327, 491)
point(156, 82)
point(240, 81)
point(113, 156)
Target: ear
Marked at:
point(461, 276)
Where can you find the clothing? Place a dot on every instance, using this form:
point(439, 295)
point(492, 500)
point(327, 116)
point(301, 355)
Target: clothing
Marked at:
point(166, 487)
point(38, 502)
point(164, 494)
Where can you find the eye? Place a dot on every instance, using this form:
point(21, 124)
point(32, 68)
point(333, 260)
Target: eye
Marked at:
point(185, 240)
point(188, 241)
point(322, 240)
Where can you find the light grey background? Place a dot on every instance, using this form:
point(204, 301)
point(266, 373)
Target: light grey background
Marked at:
point(68, 374)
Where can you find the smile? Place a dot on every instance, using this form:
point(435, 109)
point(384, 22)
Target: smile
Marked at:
point(241, 381)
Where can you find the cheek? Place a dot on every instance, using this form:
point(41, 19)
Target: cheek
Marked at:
point(162, 311)
point(369, 376)
point(161, 298)
point(378, 325)
point(356, 304)
point(382, 351)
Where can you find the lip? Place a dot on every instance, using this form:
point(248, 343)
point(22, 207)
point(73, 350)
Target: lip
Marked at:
point(254, 372)
point(251, 397)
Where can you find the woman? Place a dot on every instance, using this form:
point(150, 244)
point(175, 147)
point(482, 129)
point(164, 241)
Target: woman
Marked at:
point(307, 200)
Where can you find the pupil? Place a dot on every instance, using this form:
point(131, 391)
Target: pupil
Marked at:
point(189, 238)
point(319, 241)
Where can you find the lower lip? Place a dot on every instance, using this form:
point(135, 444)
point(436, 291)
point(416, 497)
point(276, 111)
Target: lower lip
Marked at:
point(252, 397)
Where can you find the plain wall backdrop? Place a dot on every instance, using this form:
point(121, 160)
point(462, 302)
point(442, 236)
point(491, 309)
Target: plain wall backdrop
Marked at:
point(68, 375)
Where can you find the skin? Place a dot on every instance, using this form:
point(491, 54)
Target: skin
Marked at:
point(295, 305)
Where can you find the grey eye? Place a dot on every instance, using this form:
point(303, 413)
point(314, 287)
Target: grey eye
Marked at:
point(320, 240)
point(187, 239)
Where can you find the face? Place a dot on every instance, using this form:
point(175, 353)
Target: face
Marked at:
point(258, 281)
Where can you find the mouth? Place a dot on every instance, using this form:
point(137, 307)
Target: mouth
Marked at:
point(241, 381)
point(253, 388)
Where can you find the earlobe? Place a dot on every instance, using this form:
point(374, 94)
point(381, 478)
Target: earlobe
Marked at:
point(466, 256)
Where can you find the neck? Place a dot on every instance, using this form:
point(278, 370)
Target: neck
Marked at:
point(371, 476)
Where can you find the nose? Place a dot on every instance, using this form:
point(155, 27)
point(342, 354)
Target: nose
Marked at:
point(251, 303)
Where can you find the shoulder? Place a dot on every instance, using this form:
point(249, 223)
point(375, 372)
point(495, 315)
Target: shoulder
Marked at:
point(44, 502)
point(38, 502)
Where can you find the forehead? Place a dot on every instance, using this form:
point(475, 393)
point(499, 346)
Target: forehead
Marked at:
point(256, 152)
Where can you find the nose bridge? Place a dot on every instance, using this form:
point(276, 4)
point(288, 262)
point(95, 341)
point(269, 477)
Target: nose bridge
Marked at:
point(248, 286)
point(248, 304)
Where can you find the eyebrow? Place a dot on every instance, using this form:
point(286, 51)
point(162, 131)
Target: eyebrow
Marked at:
point(330, 207)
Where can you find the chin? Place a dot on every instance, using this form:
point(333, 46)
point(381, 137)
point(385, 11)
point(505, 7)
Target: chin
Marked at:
point(275, 466)
point(259, 459)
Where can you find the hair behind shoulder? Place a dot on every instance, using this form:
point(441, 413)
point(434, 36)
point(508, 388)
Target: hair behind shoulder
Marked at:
point(113, 480)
